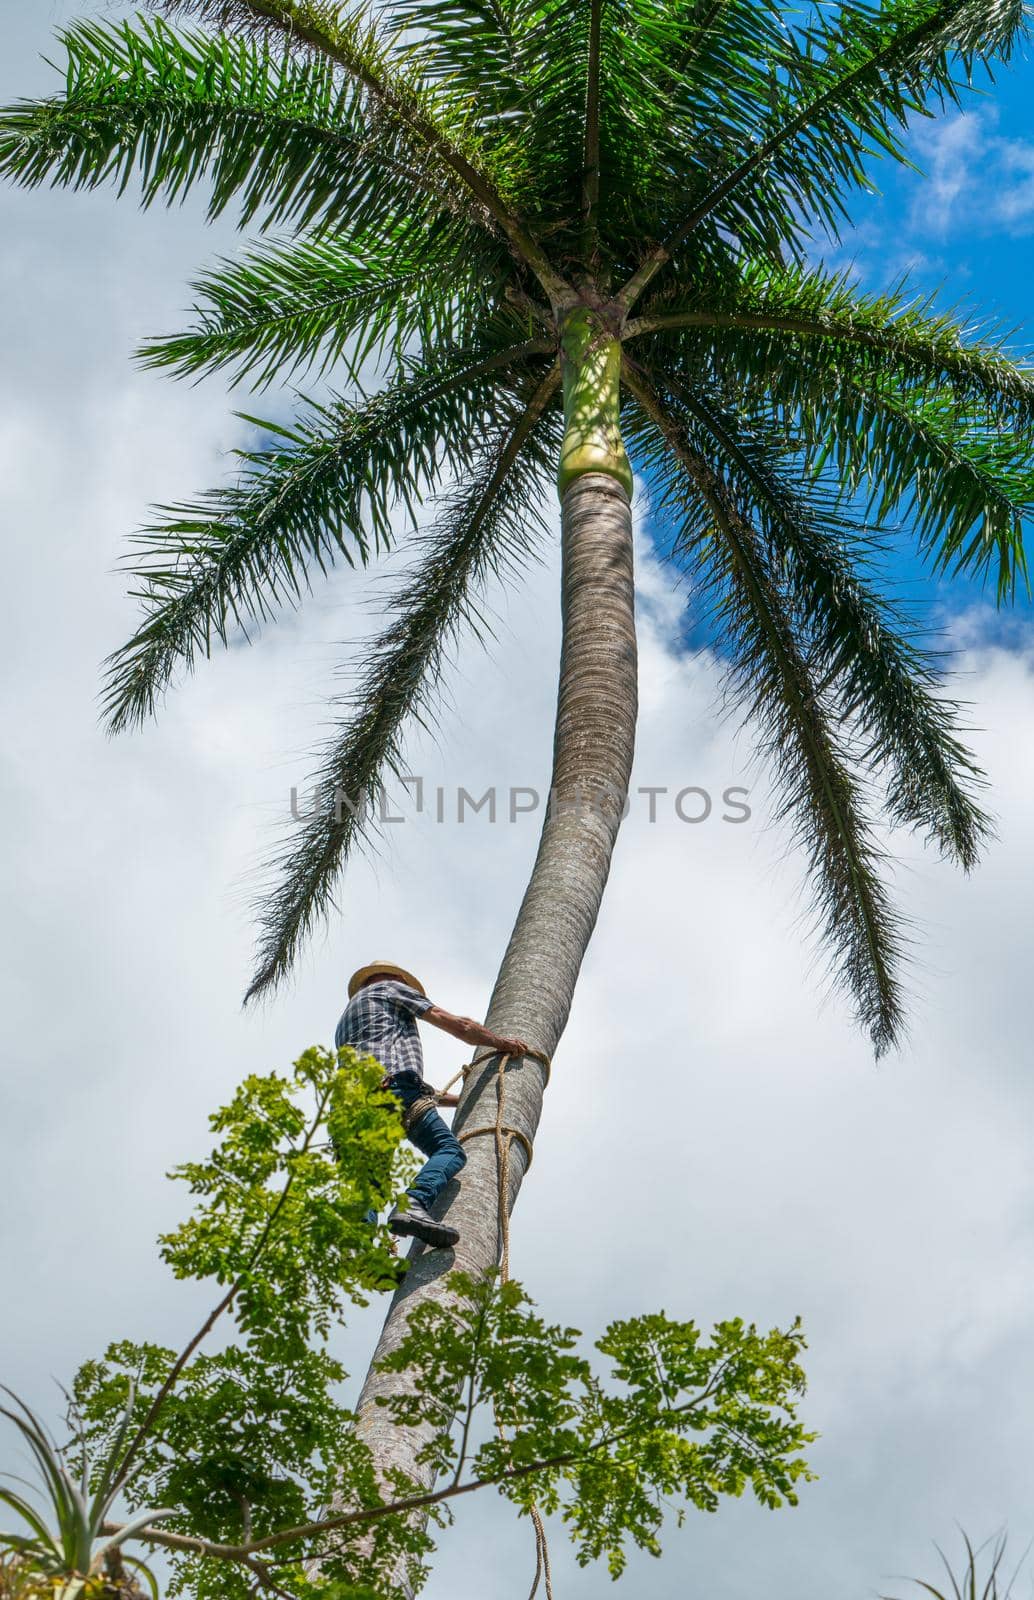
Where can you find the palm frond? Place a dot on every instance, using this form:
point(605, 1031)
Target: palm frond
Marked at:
point(843, 86)
point(325, 489)
point(770, 677)
point(472, 46)
point(855, 77)
point(954, 461)
point(964, 483)
point(284, 138)
point(597, 121)
point(486, 526)
point(883, 686)
point(709, 68)
point(601, 95)
point(383, 70)
point(790, 320)
point(299, 304)
point(593, 98)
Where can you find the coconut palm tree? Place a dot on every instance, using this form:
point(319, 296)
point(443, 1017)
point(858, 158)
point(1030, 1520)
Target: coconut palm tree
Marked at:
point(566, 237)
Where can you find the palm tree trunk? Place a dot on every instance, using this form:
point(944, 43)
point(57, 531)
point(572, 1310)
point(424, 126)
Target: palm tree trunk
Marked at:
point(592, 762)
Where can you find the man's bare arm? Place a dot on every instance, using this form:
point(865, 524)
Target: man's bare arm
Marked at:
point(472, 1032)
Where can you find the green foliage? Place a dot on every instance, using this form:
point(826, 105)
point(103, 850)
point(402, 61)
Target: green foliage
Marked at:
point(845, 84)
point(455, 178)
point(283, 1218)
point(678, 1417)
point(254, 1438)
point(314, 492)
point(315, 302)
point(251, 1440)
point(767, 319)
point(283, 137)
point(245, 1446)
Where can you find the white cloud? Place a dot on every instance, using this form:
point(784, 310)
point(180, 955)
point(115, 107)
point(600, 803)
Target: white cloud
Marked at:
point(1015, 204)
point(972, 182)
point(949, 150)
point(974, 178)
point(714, 1140)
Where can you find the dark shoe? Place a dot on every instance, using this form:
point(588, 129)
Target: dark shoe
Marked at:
point(415, 1221)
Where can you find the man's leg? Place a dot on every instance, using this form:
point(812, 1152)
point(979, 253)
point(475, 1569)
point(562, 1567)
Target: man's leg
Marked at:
point(434, 1139)
point(446, 1156)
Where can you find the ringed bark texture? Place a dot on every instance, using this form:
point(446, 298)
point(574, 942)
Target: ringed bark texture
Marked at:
point(592, 763)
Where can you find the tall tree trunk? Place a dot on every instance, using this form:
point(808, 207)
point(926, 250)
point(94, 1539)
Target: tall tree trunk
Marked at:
point(592, 762)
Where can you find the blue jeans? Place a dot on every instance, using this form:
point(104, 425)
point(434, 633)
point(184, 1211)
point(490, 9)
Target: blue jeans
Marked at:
point(433, 1138)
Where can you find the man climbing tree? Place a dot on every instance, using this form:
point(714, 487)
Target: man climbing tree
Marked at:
point(224, 1458)
point(384, 1002)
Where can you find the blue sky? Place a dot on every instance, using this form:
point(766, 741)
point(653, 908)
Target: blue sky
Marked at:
point(961, 228)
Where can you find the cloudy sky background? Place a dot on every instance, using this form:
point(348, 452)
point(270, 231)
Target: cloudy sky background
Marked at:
point(716, 1141)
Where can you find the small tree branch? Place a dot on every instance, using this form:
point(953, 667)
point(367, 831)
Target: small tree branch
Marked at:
point(265, 1578)
point(214, 1315)
point(345, 1519)
point(188, 1543)
point(461, 1453)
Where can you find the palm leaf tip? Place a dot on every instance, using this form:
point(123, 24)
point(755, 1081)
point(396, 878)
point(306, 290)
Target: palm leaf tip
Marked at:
point(487, 525)
point(310, 303)
point(882, 683)
point(822, 799)
point(328, 489)
point(825, 806)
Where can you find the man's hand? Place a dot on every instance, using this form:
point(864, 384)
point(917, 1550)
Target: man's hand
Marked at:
point(512, 1047)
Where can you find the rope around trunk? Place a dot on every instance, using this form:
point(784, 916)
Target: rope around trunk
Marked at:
point(504, 1140)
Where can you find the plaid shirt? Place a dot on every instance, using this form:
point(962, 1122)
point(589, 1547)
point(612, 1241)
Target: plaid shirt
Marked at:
point(380, 1021)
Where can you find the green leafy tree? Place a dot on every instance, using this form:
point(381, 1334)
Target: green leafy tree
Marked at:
point(227, 1459)
point(569, 236)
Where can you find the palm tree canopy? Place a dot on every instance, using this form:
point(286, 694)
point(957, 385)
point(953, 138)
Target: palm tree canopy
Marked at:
point(475, 197)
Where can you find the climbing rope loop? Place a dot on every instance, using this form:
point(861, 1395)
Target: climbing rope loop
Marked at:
point(504, 1141)
point(505, 1138)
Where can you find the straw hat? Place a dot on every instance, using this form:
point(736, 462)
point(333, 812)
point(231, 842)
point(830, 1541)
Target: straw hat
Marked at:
point(359, 978)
